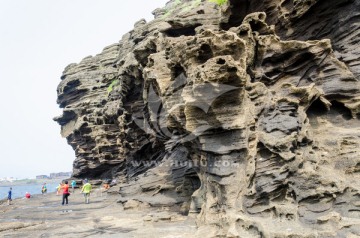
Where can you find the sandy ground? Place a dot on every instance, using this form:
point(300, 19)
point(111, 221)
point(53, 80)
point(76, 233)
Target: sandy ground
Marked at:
point(44, 216)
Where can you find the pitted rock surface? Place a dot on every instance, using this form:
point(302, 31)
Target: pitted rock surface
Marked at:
point(247, 114)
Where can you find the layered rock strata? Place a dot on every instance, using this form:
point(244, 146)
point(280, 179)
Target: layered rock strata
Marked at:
point(247, 113)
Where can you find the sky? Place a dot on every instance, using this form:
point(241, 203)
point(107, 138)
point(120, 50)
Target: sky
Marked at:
point(38, 39)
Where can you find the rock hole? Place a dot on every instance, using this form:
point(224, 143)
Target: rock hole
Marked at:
point(338, 114)
point(136, 41)
point(150, 62)
point(289, 217)
point(243, 33)
point(192, 183)
point(317, 108)
point(66, 117)
point(338, 108)
point(238, 10)
point(181, 31)
point(142, 55)
point(262, 16)
point(256, 25)
point(287, 4)
point(176, 71)
point(205, 53)
point(220, 61)
point(264, 152)
point(71, 85)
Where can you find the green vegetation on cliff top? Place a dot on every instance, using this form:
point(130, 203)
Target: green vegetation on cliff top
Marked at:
point(189, 6)
point(219, 2)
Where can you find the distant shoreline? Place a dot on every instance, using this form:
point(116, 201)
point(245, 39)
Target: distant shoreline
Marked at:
point(29, 182)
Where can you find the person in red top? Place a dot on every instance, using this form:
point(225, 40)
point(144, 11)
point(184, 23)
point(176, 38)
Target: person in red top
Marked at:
point(66, 193)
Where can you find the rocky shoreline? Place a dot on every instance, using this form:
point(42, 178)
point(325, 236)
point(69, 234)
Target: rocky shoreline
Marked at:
point(44, 216)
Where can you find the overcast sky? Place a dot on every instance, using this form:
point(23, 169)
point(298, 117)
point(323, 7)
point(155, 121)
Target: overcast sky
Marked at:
point(38, 39)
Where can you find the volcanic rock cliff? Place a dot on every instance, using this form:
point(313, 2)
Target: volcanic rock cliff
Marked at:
point(245, 112)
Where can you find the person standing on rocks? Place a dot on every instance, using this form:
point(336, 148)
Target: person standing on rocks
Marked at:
point(86, 190)
point(58, 189)
point(73, 184)
point(9, 196)
point(44, 188)
point(66, 193)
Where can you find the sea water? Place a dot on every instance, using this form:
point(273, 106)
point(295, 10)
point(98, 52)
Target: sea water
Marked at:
point(19, 191)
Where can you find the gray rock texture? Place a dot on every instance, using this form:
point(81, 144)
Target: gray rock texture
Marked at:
point(246, 114)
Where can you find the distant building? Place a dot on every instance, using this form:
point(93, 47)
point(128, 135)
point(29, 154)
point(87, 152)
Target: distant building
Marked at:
point(55, 175)
point(60, 175)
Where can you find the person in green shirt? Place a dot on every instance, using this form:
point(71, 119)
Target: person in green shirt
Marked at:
point(86, 190)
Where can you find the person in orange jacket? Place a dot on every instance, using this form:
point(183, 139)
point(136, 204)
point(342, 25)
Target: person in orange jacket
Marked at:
point(66, 193)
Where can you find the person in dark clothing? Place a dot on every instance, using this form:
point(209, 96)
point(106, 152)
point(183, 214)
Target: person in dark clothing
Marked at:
point(66, 193)
point(9, 196)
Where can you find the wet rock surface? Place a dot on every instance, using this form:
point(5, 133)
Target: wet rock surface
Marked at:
point(246, 114)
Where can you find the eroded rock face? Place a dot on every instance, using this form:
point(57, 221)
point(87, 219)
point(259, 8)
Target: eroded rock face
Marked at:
point(213, 110)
